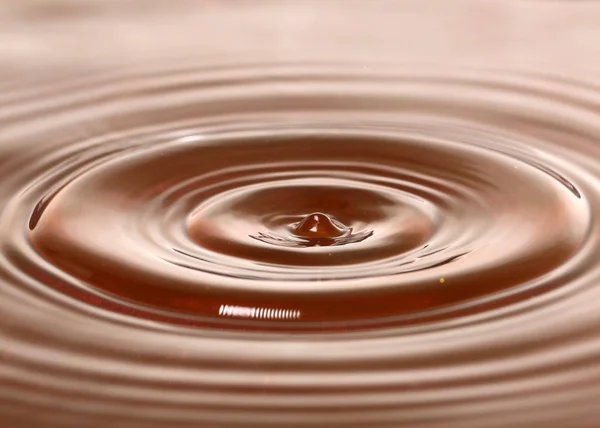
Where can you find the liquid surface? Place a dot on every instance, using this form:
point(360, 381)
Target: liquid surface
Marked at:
point(292, 238)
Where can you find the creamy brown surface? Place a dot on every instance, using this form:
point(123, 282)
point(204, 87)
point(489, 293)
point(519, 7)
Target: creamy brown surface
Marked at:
point(299, 214)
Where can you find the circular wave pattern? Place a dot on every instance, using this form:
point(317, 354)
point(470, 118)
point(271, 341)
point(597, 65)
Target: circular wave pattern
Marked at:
point(301, 246)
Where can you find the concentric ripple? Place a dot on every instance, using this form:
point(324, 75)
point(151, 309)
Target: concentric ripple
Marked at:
point(312, 245)
point(190, 224)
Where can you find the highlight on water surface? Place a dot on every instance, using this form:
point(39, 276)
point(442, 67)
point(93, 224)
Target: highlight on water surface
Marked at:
point(258, 313)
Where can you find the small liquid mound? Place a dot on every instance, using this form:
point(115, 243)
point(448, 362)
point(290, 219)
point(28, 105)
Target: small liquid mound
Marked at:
point(319, 225)
point(320, 229)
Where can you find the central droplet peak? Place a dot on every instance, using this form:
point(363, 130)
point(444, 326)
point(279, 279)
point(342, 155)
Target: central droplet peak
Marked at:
point(319, 225)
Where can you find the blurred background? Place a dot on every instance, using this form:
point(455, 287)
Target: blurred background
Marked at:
point(47, 36)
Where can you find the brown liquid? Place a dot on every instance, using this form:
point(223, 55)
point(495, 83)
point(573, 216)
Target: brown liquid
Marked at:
point(255, 239)
point(318, 226)
point(282, 244)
